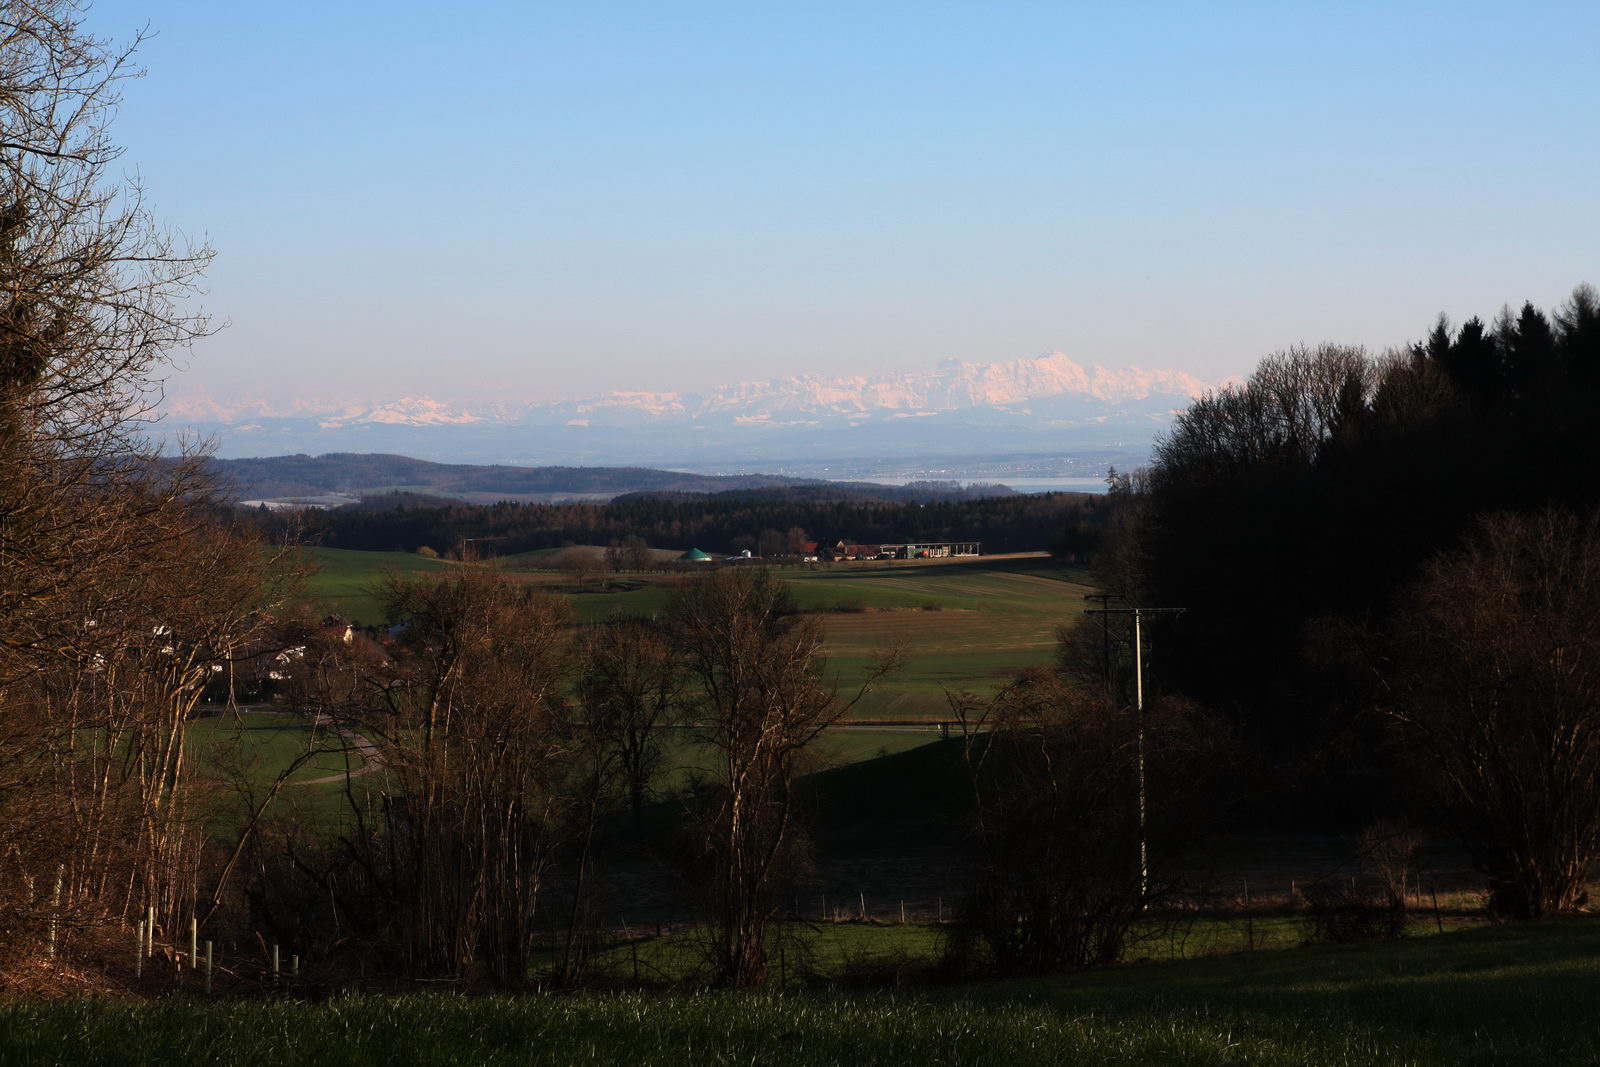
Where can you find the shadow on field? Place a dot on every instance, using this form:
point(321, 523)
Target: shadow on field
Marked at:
point(1523, 993)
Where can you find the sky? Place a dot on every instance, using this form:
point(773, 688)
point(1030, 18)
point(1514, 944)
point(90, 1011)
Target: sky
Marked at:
point(532, 201)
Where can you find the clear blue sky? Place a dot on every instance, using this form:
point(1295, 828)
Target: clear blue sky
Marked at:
point(543, 199)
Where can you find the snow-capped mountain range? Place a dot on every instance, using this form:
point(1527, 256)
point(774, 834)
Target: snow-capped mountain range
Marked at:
point(1046, 404)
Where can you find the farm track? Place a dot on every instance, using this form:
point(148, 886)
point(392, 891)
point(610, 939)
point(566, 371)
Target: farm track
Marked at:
point(371, 758)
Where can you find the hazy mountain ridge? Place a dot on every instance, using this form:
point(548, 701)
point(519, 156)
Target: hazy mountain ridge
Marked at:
point(350, 474)
point(950, 386)
point(1048, 404)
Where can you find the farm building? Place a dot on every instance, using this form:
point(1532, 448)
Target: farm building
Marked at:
point(909, 550)
point(936, 549)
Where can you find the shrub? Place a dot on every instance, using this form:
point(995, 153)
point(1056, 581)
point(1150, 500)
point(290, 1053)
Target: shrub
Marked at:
point(1340, 912)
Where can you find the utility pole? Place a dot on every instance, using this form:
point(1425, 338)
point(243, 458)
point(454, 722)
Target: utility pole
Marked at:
point(1105, 600)
point(1138, 615)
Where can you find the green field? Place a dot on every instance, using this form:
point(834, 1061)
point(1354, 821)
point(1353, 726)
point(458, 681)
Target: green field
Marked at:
point(1498, 995)
point(965, 626)
point(347, 582)
point(270, 740)
point(246, 751)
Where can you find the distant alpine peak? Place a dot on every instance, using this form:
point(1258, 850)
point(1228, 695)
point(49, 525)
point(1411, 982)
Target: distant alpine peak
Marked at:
point(948, 385)
point(953, 384)
point(407, 411)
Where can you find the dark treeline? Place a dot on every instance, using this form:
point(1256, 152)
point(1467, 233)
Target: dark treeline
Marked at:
point(717, 522)
point(1291, 517)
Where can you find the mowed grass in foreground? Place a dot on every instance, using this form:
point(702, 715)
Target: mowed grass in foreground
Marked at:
point(840, 948)
point(1504, 995)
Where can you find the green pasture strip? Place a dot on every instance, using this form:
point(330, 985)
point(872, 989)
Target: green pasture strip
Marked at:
point(933, 670)
point(598, 603)
point(945, 652)
point(967, 627)
point(960, 586)
point(1503, 995)
point(346, 582)
point(830, 595)
point(1043, 567)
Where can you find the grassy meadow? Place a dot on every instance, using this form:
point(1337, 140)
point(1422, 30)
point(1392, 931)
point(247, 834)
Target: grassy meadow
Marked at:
point(347, 582)
point(246, 752)
point(964, 625)
point(1494, 995)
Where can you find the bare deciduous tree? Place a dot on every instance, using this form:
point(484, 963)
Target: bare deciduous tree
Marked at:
point(756, 673)
point(476, 750)
point(630, 683)
point(1495, 690)
point(117, 599)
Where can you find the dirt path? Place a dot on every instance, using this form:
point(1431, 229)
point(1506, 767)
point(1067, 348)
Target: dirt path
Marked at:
point(371, 758)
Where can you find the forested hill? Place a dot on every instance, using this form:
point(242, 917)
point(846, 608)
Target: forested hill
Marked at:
point(1295, 516)
point(358, 474)
point(719, 522)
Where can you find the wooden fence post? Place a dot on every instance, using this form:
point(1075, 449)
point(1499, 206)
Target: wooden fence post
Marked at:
point(55, 909)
